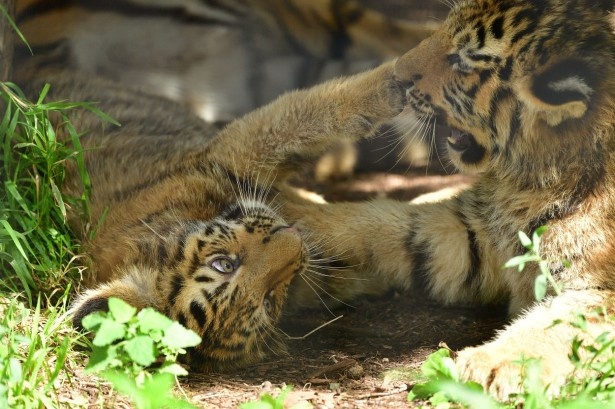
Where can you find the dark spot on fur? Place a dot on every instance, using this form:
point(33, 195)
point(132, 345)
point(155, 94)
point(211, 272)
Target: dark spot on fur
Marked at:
point(176, 286)
point(497, 28)
point(198, 312)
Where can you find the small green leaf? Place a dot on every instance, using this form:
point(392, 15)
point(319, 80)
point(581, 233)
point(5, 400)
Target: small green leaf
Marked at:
point(439, 365)
point(15, 370)
point(424, 390)
point(173, 369)
point(177, 336)
point(141, 350)
point(102, 359)
point(94, 320)
point(540, 287)
point(150, 319)
point(525, 240)
point(121, 310)
point(440, 400)
point(109, 332)
point(58, 198)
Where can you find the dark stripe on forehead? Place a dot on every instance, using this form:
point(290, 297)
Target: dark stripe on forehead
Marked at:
point(485, 75)
point(480, 34)
point(505, 72)
point(452, 101)
point(195, 264)
point(497, 28)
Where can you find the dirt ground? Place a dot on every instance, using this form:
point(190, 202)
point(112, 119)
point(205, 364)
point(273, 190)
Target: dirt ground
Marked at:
point(367, 357)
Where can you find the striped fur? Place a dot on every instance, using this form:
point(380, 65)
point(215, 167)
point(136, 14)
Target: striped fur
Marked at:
point(528, 88)
point(183, 217)
point(223, 58)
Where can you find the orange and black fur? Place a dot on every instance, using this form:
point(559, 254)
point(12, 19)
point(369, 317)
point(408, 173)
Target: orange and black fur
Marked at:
point(190, 222)
point(528, 89)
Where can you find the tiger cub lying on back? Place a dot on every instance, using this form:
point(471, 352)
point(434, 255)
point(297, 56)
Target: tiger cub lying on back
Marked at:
point(528, 88)
point(190, 227)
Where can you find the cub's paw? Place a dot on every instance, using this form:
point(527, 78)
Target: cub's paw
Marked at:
point(501, 368)
point(378, 95)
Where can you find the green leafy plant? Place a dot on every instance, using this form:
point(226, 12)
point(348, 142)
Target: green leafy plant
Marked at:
point(35, 348)
point(37, 250)
point(443, 387)
point(38, 255)
point(533, 256)
point(127, 343)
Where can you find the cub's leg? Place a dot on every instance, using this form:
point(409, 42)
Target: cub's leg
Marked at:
point(386, 244)
point(448, 249)
point(299, 126)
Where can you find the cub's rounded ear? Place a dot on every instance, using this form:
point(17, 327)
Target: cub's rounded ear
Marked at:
point(562, 91)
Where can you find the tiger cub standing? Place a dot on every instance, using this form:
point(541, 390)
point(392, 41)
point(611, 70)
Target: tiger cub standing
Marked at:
point(189, 223)
point(528, 89)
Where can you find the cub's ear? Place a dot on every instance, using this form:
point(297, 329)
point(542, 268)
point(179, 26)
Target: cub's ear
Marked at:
point(136, 288)
point(563, 91)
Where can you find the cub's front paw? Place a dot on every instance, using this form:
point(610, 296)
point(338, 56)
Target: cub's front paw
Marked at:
point(501, 367)
point(379, 96)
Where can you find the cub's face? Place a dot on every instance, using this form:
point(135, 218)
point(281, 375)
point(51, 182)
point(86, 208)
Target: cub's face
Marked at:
point(511, 78)
point(234, 283)
point(226, 279)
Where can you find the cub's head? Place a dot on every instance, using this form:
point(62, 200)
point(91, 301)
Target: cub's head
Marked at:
point(226, 279)
point(519, 83)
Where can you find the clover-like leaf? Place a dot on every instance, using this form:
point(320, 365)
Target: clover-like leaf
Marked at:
point(94, 320)
point(177, 336)
point(120, 310)
point(173, 369)
point(109, 332)
point(151, 320)
point(141, 350)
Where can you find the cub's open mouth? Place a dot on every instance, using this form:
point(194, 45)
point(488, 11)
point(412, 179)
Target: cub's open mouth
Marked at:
point(460, 141)
point(465, 143)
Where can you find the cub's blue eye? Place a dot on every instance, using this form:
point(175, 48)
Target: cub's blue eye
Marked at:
point(223, 265)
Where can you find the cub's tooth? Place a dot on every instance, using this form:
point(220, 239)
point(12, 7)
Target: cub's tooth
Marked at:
point(452, 140)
